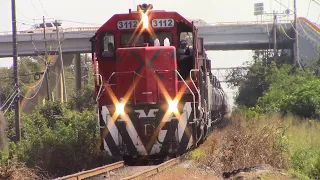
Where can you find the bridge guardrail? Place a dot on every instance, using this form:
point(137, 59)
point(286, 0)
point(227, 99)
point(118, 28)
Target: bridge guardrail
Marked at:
point(313, 26)
point(70, 29)
point(249, 22)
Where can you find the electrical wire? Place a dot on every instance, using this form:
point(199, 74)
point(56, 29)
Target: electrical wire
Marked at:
point(18, 9)
point(284, 31)
point(38, 87)
point(43, 9)
point(1, 2)
point(308, 8)
point(23, 75)
point(307, 33)
point(79, 22)
point(11, 103)
point(12, 94)
point(283, 5)
point(34, 7)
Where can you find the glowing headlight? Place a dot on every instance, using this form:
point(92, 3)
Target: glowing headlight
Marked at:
point(173, 106)
point(145, 20)
point(120, 108)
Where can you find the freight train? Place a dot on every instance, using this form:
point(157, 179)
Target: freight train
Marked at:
point(155, 93)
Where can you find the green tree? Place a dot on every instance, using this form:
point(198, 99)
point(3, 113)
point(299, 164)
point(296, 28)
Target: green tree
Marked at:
point(254, 83)
point(27, 67)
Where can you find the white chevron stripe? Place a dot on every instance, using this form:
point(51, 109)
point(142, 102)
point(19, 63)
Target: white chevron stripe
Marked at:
point(142, 114)
point(113, 130)
point(156, 148)
point(134, 135)
point(187, 109)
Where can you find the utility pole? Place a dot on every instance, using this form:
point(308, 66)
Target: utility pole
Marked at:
point(46, 59)
point(296, 45)
point(275, 53)
point(62, 66)
point(15, 72)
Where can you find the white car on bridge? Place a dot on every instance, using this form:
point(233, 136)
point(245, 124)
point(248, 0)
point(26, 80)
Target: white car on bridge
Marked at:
point(39, 28)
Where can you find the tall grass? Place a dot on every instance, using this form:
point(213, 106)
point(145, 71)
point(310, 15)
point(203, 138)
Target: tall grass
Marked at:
point(303, 139)
point(285, 143)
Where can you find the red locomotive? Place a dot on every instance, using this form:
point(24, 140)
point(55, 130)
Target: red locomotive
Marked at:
point(154, 88)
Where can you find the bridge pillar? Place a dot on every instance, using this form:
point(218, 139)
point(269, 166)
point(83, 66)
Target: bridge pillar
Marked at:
point(77, 69)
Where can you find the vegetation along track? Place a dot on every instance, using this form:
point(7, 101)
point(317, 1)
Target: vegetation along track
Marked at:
point(118, 170)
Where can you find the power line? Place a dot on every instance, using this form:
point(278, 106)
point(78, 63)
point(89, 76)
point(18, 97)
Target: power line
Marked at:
point(79, 22)
point(12, 94)
point(21, 12)
point(308, 8)
point(34, 7)
point(43, 8)
point(1, 2)
point(284, 5)
point(21, 75)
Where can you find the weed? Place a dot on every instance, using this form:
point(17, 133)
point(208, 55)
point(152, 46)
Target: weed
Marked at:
point(244, 143)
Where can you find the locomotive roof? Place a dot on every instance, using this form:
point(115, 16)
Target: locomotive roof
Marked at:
point(111, 24)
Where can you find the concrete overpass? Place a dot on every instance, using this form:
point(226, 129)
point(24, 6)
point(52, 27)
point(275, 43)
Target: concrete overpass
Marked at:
point(221, 36)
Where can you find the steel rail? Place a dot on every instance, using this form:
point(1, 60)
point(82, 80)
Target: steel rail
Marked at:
point(92, 172)
point(154, 170)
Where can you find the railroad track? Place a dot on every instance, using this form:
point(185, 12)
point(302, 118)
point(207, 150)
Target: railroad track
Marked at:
point(120, 171)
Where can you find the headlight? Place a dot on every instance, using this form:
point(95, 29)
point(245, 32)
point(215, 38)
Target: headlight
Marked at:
point(120, 108)
point(145, 20)
point(173, 106)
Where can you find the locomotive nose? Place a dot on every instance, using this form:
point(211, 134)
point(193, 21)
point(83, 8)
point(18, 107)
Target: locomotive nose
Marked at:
point(140, 70)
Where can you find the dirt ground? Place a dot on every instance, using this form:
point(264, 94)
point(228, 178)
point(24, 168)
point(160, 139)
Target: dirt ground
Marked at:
point(187, 171)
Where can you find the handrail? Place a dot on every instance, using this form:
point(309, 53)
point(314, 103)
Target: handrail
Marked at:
point(127, 72)
point(194, 70)
point(113, 73)
point(101, 84)
point(194, 97)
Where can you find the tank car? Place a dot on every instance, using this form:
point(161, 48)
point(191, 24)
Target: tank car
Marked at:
point(153, 82)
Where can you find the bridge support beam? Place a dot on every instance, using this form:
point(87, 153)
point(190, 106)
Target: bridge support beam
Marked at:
point(77, 69)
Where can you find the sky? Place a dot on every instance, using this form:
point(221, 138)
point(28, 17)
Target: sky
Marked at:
point(75, 13)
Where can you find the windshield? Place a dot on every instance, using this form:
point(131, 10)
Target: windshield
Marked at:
point(130, 39)
point(47, 25)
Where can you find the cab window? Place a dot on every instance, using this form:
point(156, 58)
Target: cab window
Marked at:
point(185, 54)
point(161, 36)
point(131, 39)
point(188, 37)
point(108, 45)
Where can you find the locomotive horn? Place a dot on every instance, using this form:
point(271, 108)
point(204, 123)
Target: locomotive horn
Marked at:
point(144, 7)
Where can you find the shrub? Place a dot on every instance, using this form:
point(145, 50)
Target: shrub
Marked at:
point(59, 141)
point(83, 99)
